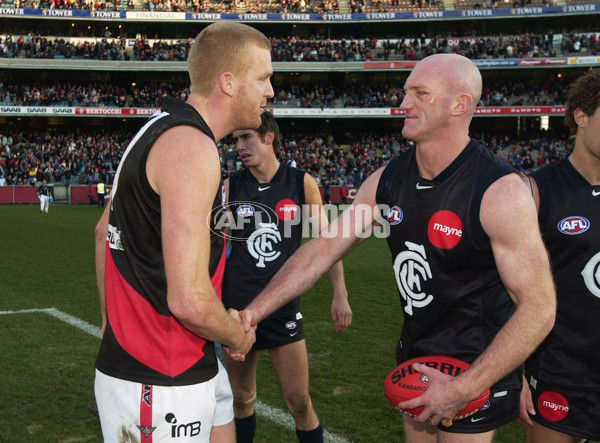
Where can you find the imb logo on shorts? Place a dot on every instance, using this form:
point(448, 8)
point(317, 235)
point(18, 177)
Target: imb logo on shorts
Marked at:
point(184, 429)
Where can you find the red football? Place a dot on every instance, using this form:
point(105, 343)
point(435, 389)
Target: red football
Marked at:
point(404, 383)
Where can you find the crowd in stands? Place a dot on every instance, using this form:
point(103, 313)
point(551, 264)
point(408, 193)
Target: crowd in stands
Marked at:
point(313, 49)
point(289, 94)
point(86, 156)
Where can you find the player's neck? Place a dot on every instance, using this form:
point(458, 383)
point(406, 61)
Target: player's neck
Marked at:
point(586, 164)
point(265, 171)
point(434, 157)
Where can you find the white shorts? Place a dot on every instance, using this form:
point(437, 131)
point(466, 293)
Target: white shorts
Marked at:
point(137, 412)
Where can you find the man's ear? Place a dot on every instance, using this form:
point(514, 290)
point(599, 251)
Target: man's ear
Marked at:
point(462, 104)
point(269, 137)
point(227, 83)
point(580, 117)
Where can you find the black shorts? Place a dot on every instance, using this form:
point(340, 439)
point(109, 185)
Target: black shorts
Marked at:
point(565, 410)
point(278, 331)
point(501, 408)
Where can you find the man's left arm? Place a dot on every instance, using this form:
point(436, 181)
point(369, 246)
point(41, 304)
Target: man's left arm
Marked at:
point(341, 313)
point(509, 218)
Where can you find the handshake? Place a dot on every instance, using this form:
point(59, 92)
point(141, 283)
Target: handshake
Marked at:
point(248, 318)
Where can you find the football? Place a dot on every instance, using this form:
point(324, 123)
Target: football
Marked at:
point(404, 383)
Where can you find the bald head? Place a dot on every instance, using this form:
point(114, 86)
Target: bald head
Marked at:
point(458, 74)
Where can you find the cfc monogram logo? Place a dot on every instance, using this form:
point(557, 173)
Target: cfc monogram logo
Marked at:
point(591, 275)
point(411, 269)
point(260, 244)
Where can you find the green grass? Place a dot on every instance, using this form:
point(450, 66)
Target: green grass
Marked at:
point(47, 366)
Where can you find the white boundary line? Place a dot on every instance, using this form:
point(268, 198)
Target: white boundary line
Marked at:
point(275, 415)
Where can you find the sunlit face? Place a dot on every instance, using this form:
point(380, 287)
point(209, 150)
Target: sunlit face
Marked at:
point(426, 104)
point(251, 149)
point(254, 88)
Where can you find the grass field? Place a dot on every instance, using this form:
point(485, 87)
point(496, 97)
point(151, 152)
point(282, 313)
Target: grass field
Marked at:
point(47, 355)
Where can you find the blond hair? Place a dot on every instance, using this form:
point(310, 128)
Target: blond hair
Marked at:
point(221, 47)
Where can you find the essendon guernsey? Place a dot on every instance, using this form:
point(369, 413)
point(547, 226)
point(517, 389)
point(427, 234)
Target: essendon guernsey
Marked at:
point(453, 300)
point(143, 342)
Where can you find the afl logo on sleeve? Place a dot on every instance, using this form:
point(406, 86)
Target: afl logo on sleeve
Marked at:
point(411, 270)
point(573, 225)
point(444, 229)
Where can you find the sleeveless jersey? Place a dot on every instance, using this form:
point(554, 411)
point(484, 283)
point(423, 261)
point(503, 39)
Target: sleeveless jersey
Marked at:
point(569, 218)
point(453, 300)
point(143, 342)
point(266, 230)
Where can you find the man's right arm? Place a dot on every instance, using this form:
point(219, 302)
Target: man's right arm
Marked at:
point(183, 168)
point(304, 268)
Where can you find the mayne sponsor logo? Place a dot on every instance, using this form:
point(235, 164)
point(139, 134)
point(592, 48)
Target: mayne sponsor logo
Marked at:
point(444, 229)
point(573, 225)
point(447, 230)
point(11, 109)
point(552, 406)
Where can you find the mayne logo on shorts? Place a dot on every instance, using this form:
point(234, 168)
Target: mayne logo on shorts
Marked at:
point(573, 225)
point(444, 229)
point(552, 406)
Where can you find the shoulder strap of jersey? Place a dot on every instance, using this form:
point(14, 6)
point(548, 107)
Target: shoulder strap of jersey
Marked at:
point(382, 193)
point(299, 173)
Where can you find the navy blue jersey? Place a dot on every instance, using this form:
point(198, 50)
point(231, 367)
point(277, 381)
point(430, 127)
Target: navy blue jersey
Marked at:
point(569, 218)
point(143, 342)
point(42, 190)
point(267, 229)
point(453, 299)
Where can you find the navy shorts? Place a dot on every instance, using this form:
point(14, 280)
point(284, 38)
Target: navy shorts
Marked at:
point(278, 331)
point(565, 410)
point(501, 408)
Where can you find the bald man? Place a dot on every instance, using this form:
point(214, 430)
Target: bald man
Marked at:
point(471, 269)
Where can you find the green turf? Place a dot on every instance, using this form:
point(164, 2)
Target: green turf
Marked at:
point(47, 366)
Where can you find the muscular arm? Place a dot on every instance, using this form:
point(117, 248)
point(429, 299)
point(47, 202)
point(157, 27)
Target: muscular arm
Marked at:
point(315, 257)
point(341, 312)
point(100, 252)
point(508, 216)
point(183, 168)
